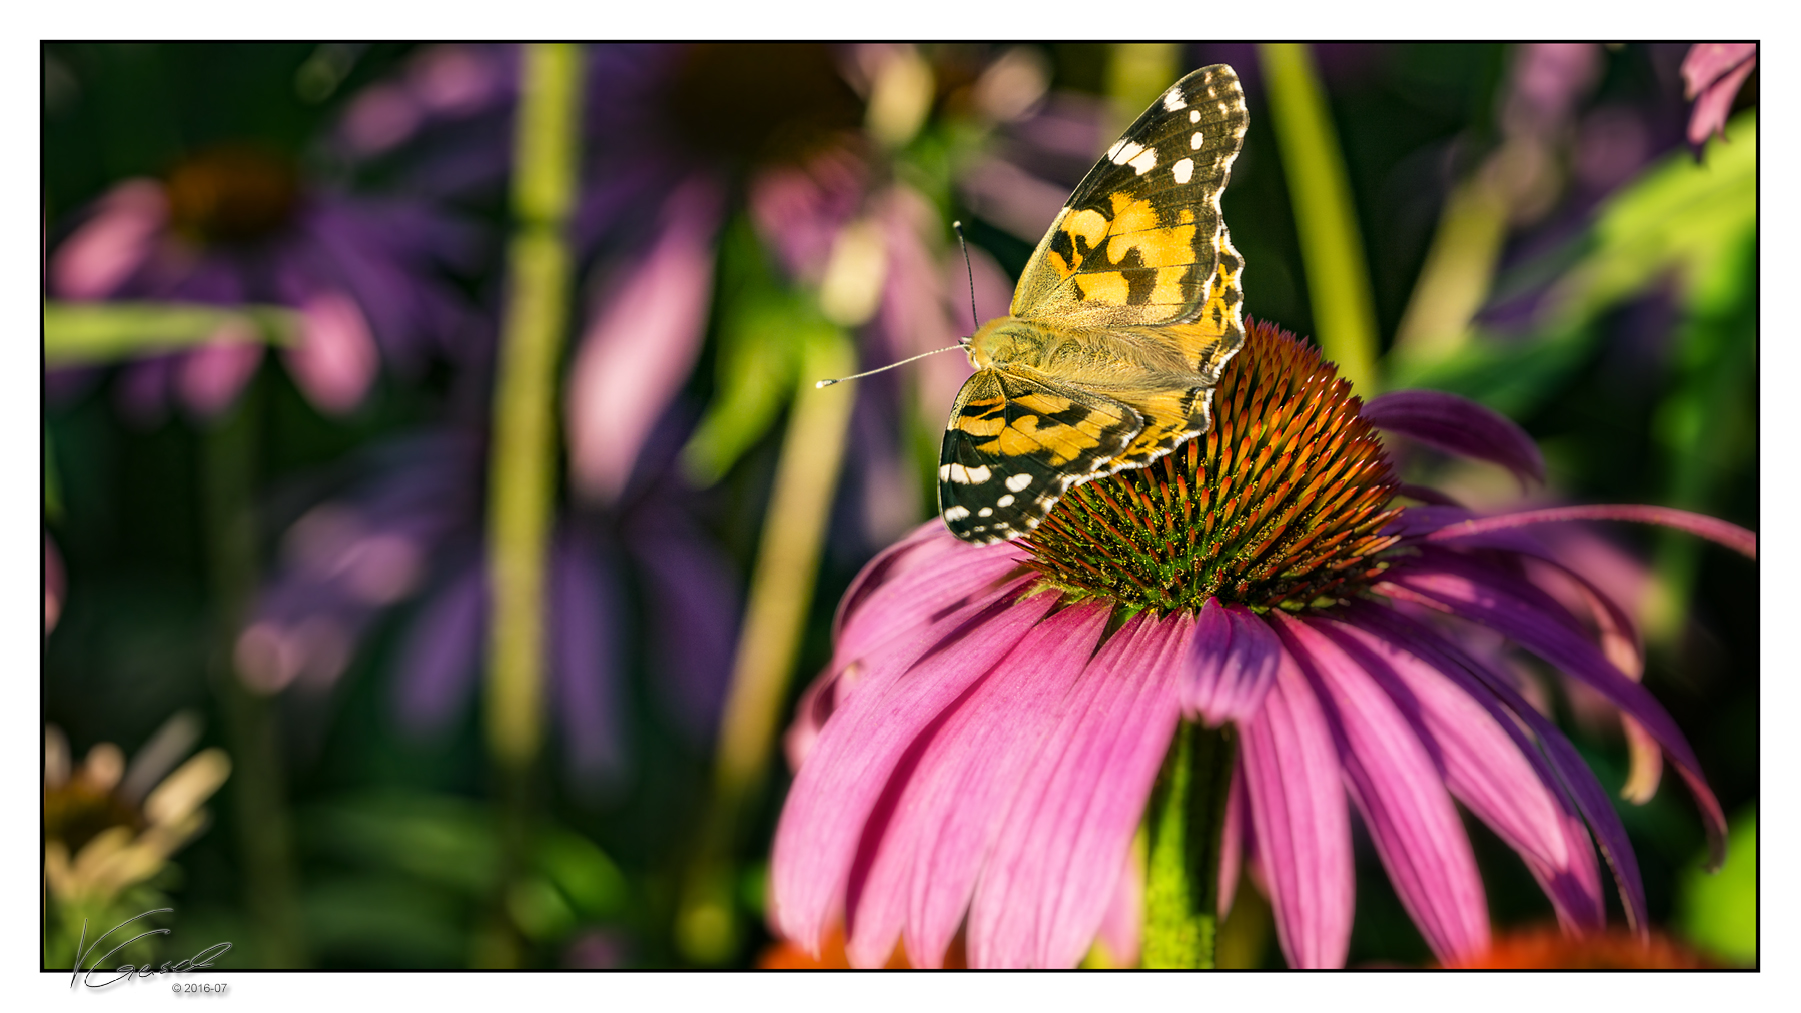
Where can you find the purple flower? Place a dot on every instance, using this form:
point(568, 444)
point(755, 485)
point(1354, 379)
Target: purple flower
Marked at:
point(1712, 74)
point(979, 752)
point(235, 225)
point(410, 530)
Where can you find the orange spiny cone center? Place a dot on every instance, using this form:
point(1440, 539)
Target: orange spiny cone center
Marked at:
point(1279, 505)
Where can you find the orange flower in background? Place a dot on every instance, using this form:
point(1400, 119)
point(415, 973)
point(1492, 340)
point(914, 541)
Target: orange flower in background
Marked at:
point(785, 956)
point(1548, 948)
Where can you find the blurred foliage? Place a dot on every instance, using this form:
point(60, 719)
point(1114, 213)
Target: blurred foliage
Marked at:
point(1718, 911)
point(1620, 329)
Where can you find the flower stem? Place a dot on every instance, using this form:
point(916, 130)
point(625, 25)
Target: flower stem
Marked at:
point(1344, 315)
point(781, 593)
point(1187, 812)
point(521, 469)
point(259, 791)
point(522, 456)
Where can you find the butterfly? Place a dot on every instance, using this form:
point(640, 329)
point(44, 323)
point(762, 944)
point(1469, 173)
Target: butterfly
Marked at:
point(1122, 321)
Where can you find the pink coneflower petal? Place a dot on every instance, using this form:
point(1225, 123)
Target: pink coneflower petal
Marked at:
point(1121, 925)
point(1502, 602)
point(336, 360)
point(1457, 425)
point(1712, 73)
point(1571, 771)
point(923, 868)
point(1724, 532)
point(1232, 843)
point(1300, 822)
point(1041, 898)
point(210, 378)
point(912, 599)
point(441, 654)
point(109, 248)
point(585, 663)
point(1231, 666)
point(642, 344)
point(869, 736)
point(1488, 770)
point(1400, 793)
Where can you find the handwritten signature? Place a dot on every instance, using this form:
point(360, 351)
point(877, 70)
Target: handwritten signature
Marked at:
point(196, 962)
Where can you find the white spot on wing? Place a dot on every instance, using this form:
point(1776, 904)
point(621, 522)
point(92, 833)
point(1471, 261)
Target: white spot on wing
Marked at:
point(1194, 116)
point(1018, 482)
point(967, 476)
point(1124, 151)
point(1183, 170)
point(1004, 501)
point(1118, 145)
point(1195, 141)
point(956, 513)
point(944, 473)
point(1145, 162)
point(985, 512)
point(1172, 101)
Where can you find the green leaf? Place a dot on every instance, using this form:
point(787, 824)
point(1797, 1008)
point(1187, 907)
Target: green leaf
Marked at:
point(1718, 912)
point(84, 334)
point(1679, 218)
point(584, 873)
point(448, 842)
point(765, 331)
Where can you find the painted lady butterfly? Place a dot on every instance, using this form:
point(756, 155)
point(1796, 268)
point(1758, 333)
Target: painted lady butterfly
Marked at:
point(1121, 323)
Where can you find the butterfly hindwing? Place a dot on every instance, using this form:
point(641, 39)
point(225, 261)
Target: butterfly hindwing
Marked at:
point(1016, 441)
point(1141, 241)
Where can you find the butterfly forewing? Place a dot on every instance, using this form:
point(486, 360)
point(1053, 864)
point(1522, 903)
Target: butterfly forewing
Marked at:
point(1140, 241)
point(1014, 444)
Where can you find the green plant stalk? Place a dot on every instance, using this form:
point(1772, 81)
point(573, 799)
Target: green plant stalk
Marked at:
point(1187, 813)
point(781, 594)
point(522, 456)
point(1344, 316)
point(258, 785)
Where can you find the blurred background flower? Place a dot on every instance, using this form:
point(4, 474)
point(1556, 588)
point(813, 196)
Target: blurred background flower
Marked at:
point(299, 555)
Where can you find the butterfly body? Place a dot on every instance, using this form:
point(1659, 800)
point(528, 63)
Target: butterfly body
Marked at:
point(1123, 318)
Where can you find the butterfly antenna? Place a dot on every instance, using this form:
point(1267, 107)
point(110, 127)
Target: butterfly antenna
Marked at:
point(891, 365)
point(957, 227)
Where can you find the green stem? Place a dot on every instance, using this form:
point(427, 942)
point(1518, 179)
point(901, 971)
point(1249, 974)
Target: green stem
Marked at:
point(258, 785)
point(1187, 812)
point(781, 594)
point(1344, 316)
point(522, 455)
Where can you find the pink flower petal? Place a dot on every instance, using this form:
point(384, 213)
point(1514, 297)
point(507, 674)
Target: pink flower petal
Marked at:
point(1041, 898)
point(210, 377)
point(109, 247)
point(917, 594)
point(1713, 72)
point(1121, 925)
point(1231, 666)
point(1300, 824)
point(1232, 843)
point(1571, 772)
point(1489, 770)
point(1401, 794)
point(873, 734)
point(641, 345)
point(1457, 425)
point(336, 359)
point(1507, 604)
point(950, 811)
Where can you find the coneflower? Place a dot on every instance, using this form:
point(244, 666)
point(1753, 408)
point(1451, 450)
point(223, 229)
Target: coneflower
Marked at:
point(981, 750)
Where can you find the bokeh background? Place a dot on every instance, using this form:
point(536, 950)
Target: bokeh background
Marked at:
point(334, 333)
